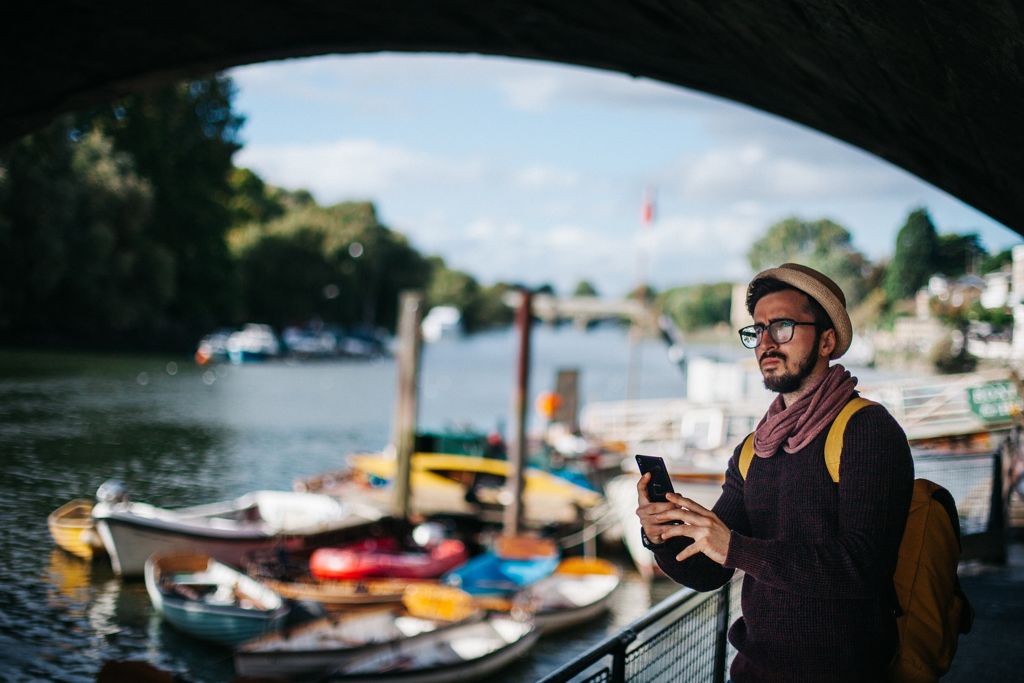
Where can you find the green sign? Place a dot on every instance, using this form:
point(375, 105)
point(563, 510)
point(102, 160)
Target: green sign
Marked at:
point(994, 401)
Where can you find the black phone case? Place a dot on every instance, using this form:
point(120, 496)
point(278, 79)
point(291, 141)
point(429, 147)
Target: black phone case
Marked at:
point(660, 484)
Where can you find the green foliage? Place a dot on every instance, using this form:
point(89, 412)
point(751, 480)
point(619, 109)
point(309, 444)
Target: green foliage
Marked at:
point(821, 244)
point(76, 260)
point(994, 262)
point(356, 266)
point(957, 254)
point(481, 307)
point(697, 306)
point(916, 258)
point(584, 288)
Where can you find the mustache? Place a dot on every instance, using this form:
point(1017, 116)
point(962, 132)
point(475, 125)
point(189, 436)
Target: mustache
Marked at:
point(771, 354)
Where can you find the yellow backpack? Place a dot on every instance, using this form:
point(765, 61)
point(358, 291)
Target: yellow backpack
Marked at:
point(932, 609)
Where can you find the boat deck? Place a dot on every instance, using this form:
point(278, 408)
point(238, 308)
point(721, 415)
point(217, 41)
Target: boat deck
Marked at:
point(992, 650)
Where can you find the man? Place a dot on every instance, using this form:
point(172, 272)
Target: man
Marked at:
point(818, 557)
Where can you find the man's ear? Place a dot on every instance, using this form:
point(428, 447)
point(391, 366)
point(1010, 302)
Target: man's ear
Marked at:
point(828, 343)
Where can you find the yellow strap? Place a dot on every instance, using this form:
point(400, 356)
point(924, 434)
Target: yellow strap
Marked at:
point(746, 455)
point(834, 441)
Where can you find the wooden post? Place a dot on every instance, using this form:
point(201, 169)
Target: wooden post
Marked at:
point(410, 314)
point(517, 450)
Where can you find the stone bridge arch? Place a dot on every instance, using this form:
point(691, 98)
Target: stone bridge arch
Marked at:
point(935, 87)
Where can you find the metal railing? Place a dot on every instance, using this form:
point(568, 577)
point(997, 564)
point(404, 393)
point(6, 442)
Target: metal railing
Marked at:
point(683, 638)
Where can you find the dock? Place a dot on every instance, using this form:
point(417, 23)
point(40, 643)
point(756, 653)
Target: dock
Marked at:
point(992, 650)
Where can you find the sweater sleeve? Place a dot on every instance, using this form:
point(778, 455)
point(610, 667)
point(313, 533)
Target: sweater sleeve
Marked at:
point(701, 572)
point(875, 486)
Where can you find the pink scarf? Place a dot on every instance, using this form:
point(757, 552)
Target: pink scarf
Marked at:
point(798, 424)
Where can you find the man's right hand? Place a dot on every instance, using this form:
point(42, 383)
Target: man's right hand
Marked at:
point(655, 518)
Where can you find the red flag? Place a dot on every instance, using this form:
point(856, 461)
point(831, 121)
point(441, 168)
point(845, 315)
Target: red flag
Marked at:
point(647, 210)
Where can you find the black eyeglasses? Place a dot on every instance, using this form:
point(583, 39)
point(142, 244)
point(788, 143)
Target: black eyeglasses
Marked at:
point(781, 331)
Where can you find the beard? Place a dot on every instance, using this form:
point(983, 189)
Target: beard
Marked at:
point(789, 382)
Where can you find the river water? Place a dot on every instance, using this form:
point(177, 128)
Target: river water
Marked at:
point(178, 434)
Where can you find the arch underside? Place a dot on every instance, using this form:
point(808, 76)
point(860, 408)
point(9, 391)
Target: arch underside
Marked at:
point(934, 87)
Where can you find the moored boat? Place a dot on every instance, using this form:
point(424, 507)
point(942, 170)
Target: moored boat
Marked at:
point(579, 590)
point(210, 600)
point(385, 557)
point(465, 652)
point(72, 528)
point(447, 484)
point(227, 530)
point(514, 564)
point(318, 647)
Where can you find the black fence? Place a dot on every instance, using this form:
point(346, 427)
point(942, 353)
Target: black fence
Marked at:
point(683, 638)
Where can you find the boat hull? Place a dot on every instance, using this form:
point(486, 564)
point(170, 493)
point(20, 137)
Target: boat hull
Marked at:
point(130, 544)
point(72, 529)
point(468, 670)
point(226, 624)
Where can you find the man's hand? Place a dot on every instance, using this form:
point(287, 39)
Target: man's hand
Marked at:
point(710, 535)
point(652, 515)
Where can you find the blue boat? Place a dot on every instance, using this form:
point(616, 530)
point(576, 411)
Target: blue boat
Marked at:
point(210, 600)
point(509, 568)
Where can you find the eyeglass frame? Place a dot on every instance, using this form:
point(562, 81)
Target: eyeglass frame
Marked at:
point(778, 324)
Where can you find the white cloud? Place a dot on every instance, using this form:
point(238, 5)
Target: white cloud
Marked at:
point(348, 168)
point(755, 170)
point(540, 177)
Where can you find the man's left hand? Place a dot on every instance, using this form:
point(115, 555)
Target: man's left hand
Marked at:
point(710, 536)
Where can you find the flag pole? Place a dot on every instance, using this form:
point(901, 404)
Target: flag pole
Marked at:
point(633, 371)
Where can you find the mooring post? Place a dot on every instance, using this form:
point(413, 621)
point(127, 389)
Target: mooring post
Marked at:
point(517, 451)
point(410, 315)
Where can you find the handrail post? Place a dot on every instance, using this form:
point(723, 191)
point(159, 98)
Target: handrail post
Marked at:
point(618, 672)
point(722, 633)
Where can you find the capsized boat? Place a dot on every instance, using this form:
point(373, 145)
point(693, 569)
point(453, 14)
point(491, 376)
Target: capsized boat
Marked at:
point(385, 557)
point(514, 563)
point(323, 645)
point(465, 652)
point(210, 600)
point(450, 484)
point(72, 528)
point(579, 590)
point(226, 530)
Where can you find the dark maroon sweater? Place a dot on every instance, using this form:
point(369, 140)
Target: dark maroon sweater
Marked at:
point(818, 557)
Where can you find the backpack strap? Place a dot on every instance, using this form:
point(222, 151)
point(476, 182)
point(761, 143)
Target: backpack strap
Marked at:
point(746, 455)
point(834, 440)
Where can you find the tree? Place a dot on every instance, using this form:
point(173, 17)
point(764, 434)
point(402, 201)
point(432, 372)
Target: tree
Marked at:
point(820, 244)
point(958, 254)
point(916, 257)
point(995, 262)
point(697, 306)
point(584, 288)
point(181, 139)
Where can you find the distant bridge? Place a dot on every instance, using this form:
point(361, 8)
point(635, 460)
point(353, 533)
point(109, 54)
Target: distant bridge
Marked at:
point(584, 309)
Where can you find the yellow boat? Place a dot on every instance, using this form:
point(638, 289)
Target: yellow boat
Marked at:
point(72, 529)
point(443, 483)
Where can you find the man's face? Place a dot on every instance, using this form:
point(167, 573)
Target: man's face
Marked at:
point(785, 367)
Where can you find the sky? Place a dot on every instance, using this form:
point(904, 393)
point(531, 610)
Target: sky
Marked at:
point(534, 172)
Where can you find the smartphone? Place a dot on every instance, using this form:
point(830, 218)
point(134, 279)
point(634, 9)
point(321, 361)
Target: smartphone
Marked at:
point(660, 484)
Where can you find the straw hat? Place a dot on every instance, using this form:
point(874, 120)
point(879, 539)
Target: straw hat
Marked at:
point(822, 289)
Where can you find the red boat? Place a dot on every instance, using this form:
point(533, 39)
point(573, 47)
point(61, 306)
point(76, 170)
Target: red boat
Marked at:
point(384, 557)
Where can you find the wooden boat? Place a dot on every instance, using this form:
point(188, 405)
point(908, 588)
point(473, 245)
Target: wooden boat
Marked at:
point(227, 530)
point(72, 529)
point(385, 557)
point(459, 485)
point(465, 652)
point(210, 600)
point(323, 645)
point(514, 564)
point(579, 590)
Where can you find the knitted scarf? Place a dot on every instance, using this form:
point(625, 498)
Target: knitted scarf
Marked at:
point(795, 426)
